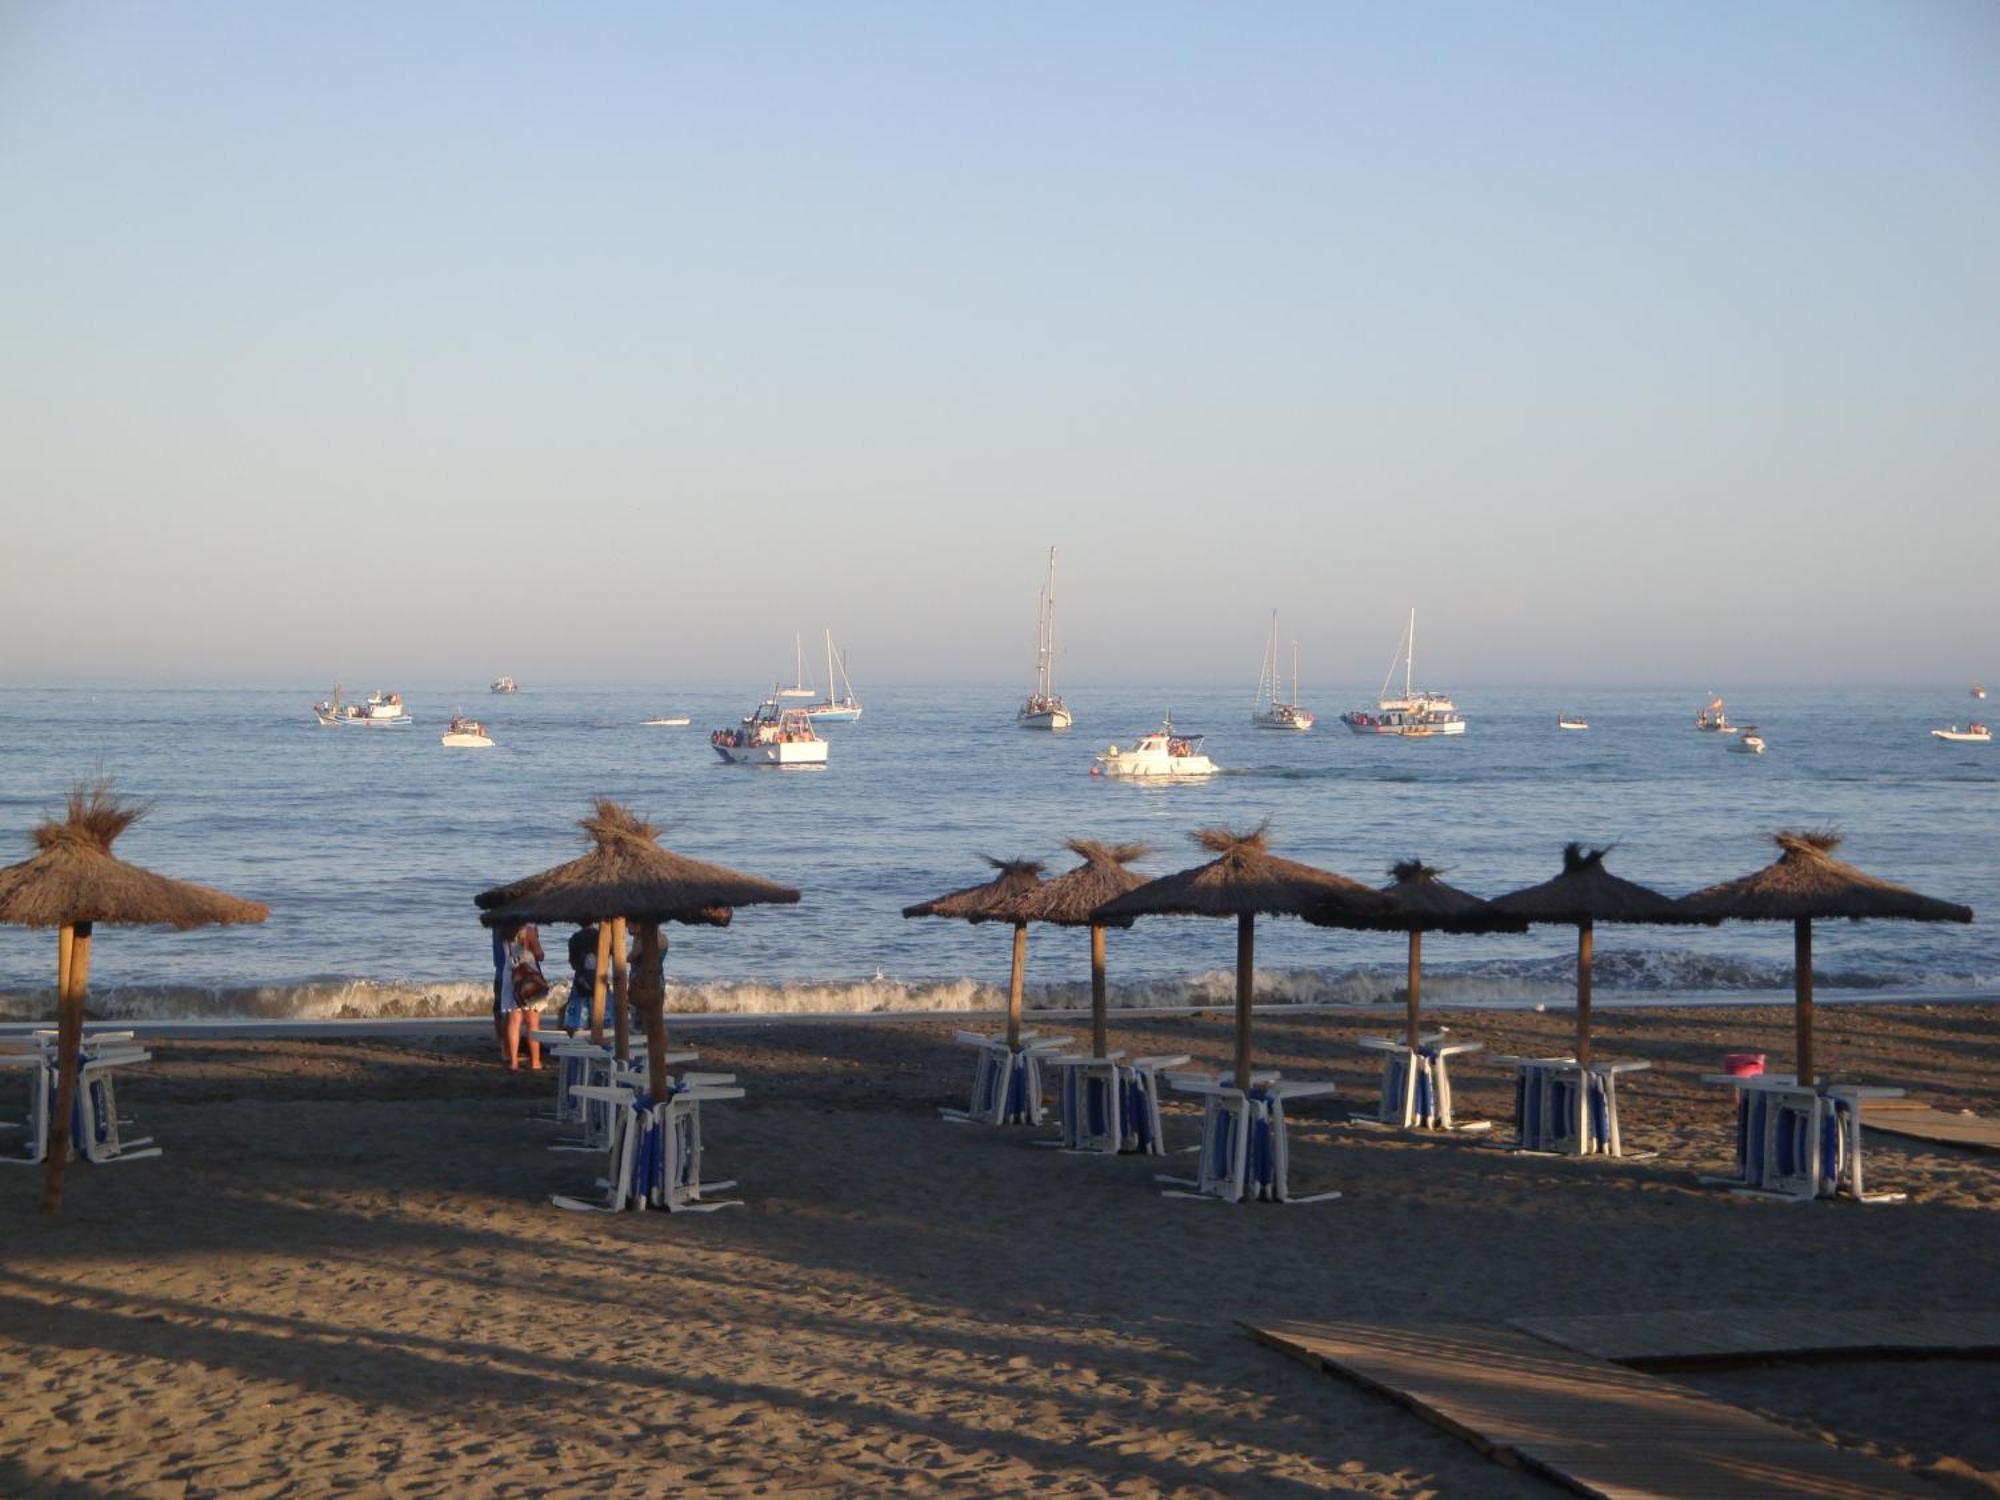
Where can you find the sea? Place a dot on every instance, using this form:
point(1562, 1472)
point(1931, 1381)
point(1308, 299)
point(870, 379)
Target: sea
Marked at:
point(369, 846)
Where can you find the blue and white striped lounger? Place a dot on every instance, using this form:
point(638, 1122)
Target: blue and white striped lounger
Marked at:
point(1111, 1106)
point(1558, 1112)
point(1416, 1090)
point(1796, 1143)
point(1006, 1081)
point(654, 1153)
point(1244, 1154)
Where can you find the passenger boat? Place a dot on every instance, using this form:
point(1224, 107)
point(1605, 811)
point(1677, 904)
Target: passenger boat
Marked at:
point(1972, 734)
point(503, 685)
point(1417, 714)
point(1164, 752)
point(1044, 707)
point(772, 736)
point(381, 711)
point(1747, 742)
point(1572, 721)
point(1266, 712)
point(466, 734)
point(831, 710)
point(1712, 720)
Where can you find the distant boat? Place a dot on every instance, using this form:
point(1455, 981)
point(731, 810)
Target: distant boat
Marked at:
point(382, 711)
point(1712, 720)
point(1266, 712)
point(466, 734)
point(800, 688)
point(1044, 707)
point(1416, 715)
point(831, 710)
point(1164, 752)
point(503, 685)
point(1978, 691)
point(1571, 721)
point(1973, 734)
point(772, 736)
point(667, 721)
point(1748, 741)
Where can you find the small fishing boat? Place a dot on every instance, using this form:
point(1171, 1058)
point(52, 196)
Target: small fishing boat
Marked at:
point(667, 721)
point(1164, 752)
point(1973, 734)
point(503, 685)
point(844, 709)
point(1978, 691)
point(1266, 712)
point(1417, 715)
point(1747, 742)
point(466, 734)
point(383, 710)
point(774, 735)
point(1572, 721)
point(1712, 720)
point(1044, 707)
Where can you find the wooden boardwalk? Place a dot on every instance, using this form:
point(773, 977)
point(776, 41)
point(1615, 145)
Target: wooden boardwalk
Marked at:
point(1594, 1427)
point(1719, 1335)
point(1920, 1122)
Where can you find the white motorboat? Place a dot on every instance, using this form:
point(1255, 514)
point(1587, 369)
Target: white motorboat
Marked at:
point(466, 734)
point(1266, 712)
point(1747, 742)
point(1044, 707)
point(1417, 715)
point(1712, 720)
point(383, 710)
point(1572, 721)
point(503, 685)
point(667, 721)
point(772, 736)
point(1164, 752)
point(844, 709)
point(1972, 734)
point(1978, 691)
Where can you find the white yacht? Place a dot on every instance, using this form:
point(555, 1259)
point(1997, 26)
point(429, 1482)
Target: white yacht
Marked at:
point(503, 685)
point(1973, 734)
point(774, 735)
point(466, 734)
point(1748, 741)
point(1266, 712)
point(667, 721)
point(1164, 752)
point(1572, 721)
point(1417, 715)
point(383, 710)
point(1044, 707)
point(844, 709)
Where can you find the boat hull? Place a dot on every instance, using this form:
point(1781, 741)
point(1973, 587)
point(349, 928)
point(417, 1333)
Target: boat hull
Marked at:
point(335, 721)
point(1296, 723)
point(672, 721)
point(1177, 768)
point(466, 742)
point(834, 715)
point(1058, 718)
point(791, 753)
point(1403, 731)
point(1954, 737)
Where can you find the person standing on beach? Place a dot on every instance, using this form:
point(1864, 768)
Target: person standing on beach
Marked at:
point(520, 988)
point(583, 978)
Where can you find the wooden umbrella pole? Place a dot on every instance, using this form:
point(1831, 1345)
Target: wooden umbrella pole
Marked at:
point(72, 976)
point(1416, 979)
point(1803, 988)
point(1585, 956)
point(1014, 986)
point(598, 982)
point(621, 1028)
point(1246, 967)
point(649, 990)
point(1099, 1041)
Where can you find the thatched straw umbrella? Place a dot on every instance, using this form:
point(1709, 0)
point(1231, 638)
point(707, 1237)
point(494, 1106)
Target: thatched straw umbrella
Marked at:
point(1072, 899)
point(1244, 881)
point(72, 883)
point(628, 878)
point(1805, 882)
point(1009, 896)
point(1582, 896)
point(1421, 902)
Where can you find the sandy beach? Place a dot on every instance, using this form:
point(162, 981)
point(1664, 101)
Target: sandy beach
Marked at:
point(345, 1275)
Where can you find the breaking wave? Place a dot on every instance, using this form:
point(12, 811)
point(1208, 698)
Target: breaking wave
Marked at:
point(1632, 974)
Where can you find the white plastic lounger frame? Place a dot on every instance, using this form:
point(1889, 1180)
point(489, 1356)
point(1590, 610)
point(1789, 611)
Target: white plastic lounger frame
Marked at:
point(1557, 1114)
point(94, 1122)
point(1006, 1083)
point(1416, 1091)
point(1111, 1106)
point(654, 1153)
point(1796, 1144)
point(1244, 1151)
point(601, 1069)
point(34, 1068)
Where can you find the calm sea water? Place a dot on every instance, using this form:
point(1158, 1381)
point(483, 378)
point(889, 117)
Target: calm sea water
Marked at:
point(368, 846)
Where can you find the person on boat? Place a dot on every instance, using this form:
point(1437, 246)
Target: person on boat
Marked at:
point(583, 978)
point(518, 993)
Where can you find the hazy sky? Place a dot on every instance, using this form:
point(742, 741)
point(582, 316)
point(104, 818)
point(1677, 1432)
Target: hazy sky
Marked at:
point(1630, 344)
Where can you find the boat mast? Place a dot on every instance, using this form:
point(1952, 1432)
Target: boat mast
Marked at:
point(1045, 662)
point(829, 665)
point(1410, 655)
point(1295, 674)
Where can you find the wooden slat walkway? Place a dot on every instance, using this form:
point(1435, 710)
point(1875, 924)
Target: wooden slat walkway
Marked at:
point(1594, 1427)
point(1921, 1122)
point(1718, 1335)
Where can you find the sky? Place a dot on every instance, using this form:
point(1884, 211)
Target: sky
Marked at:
point(620, 342)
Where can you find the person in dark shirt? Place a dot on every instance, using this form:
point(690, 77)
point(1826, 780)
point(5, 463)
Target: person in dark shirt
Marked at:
point(583, 971)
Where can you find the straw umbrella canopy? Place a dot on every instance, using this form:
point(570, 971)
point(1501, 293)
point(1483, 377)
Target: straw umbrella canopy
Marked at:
point(1582, 896)
point(1246, 880)
point(73, 882)
point(1421, 902)
point(627, 877)
point(1807, 882)
point(1072, 899)
point(1009, 896)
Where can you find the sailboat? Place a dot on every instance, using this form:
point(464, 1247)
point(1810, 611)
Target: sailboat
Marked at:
point(831, 710)
point(1417, 715)
point(1044, 707)
point(1266, 712)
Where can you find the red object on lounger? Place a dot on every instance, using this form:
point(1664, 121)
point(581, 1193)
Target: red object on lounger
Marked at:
point(1743, 1064)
